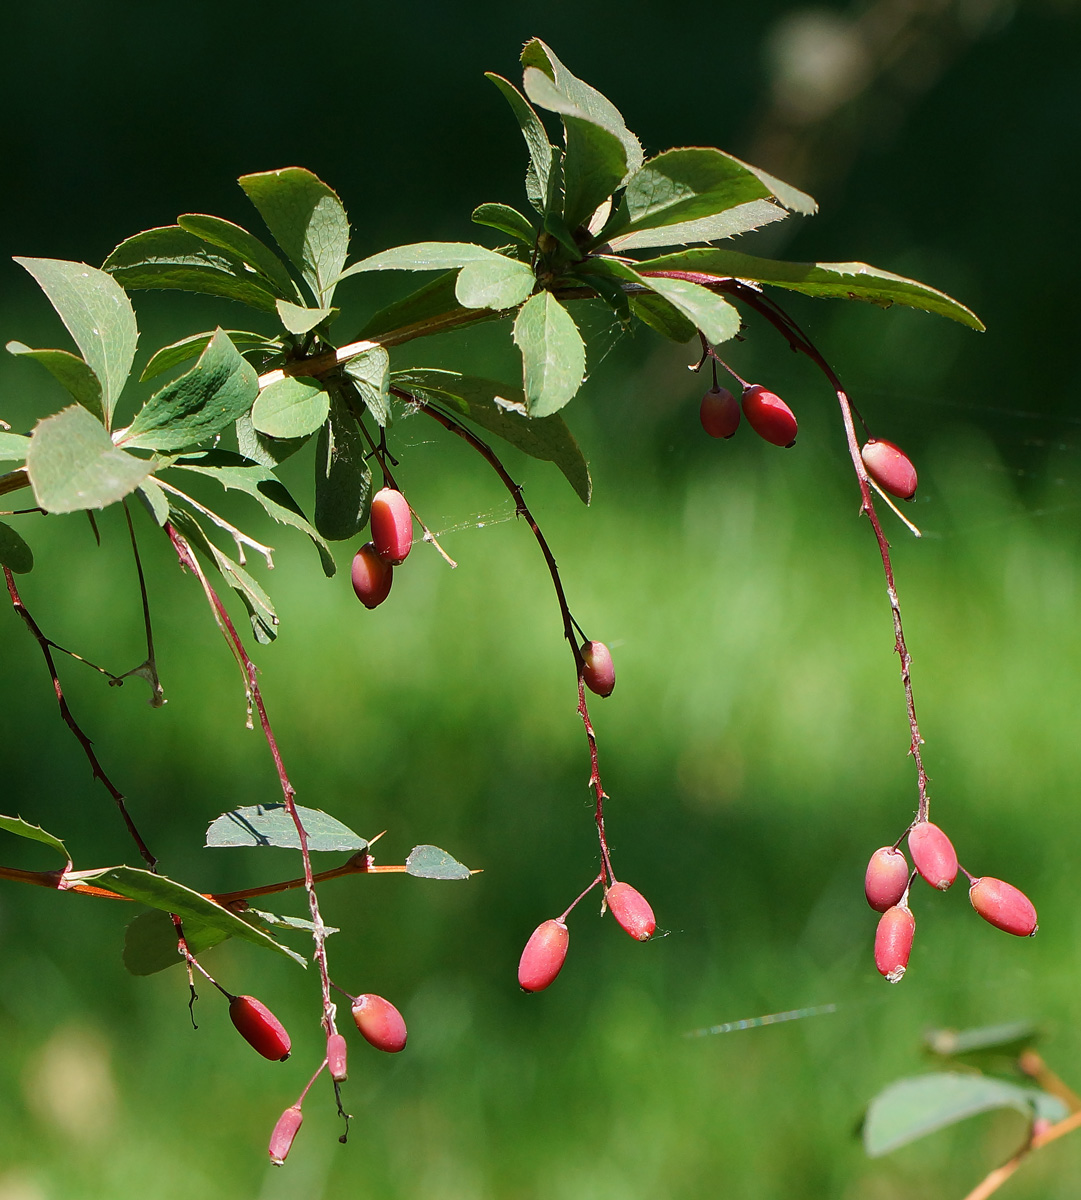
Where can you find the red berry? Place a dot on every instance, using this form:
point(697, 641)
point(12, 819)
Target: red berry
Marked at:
point(372, 576)
point(631, 909)
point(281, 1140)
point(336, 1058)
point(392, 526)
point(933, 854)
point(769, 416)
point(893, 942)
point(380, 1022)
point(719, 412)
point(599, 672)
point(1005, 906)
point(890, 467)
point(886, 879)
point(260, 1027)
point(543, 956)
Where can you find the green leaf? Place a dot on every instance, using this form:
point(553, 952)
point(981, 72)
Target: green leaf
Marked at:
point(370, 372)
point(73, 463)
point(277, 921)
point(597, 107)
point(14, 447)
point(156, 891)
point(507, 220)
point(154, 499)
point(98, 315)
point(423, 256)
point(290, 408)
point(170, 258)
point(233, 472)
point(267, 452)
point(191, 347)
point(218, 389)
point(429, 862)
point(501, 410)
point(536, 140)
point(846, 281)
point(744, 218)
point(15, 554)
point(35, 833)
point(436, 298)
point(343, 482)
point(792, 198)
point(271, 825)
point(246, 246)
point(69, 370)
point(150, 941)
point(307, 220)
point(912, 1108)
point(553, 354)
point(595, 163)
point(665, 318)
point(498, 283)
point(300, 320)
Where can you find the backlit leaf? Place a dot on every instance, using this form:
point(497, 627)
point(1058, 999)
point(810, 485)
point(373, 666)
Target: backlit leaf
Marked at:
point(744, 218)
point(507, 220)
point(14, 447)
point(429, 862)
point(370, 372)
point(15, 554)
point(271, 825)
point(536, 140)
point(498, 283)
point(245, 246)
point(191, 347)
point(35, 833)
point(70, 371)
point(553, 354)
point(290, 408)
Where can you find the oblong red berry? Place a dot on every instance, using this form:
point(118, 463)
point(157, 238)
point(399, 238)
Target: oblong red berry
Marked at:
point(392, 526)
point(1004, 906)
point(281, 1140)
point(260, 1027)
point(933, 854)
point(337, 1058)
point(631, 910)
point(543, 956)
point(769, 416)
point(890, 467)
point(372, 576)
point(598, 672)
point(886, 878)
point(380, 1023)
point(719, 413)
point(893, 942)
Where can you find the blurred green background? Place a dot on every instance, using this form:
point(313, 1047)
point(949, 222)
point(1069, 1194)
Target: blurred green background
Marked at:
point(755, 748)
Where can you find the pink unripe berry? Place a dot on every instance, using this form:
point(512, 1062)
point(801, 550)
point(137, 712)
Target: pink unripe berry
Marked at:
point(890, 467)
point(886, 879)
point(281, 1140)
point(893, 942)
point(769, 416)
point(1004, 906)
point(336, 1058)
point(631, 909)
point(719, 412)
point(933, 855)
point(380, 1023)
point(260, 1027)
point(598, 672)
point(372, 576)
point(543, 956)
point(392, 526)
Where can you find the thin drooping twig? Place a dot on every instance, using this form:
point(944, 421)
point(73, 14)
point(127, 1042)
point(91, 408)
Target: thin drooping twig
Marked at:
point(69, 720)
point(522, 510)
point(148, 669)
point(319, 932)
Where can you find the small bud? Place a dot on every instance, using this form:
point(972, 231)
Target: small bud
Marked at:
point(372, 576)
point(281, 1140)
point(599, 672)
point(1004, 906)
point(719, 413)
point(543, 956)
point(336, 1058)
point(769, 416)
point(631, 910)
point(260, 1027)
point(886, 878)
point(890, 467)
point(893, 942)
point(933, 855)
point(392, 526)
point(380, 1023)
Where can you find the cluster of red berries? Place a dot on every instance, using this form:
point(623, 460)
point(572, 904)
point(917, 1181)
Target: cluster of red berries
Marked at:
point(887, 885)
point(392, 537)
point(766, 413)
point(546, 951)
